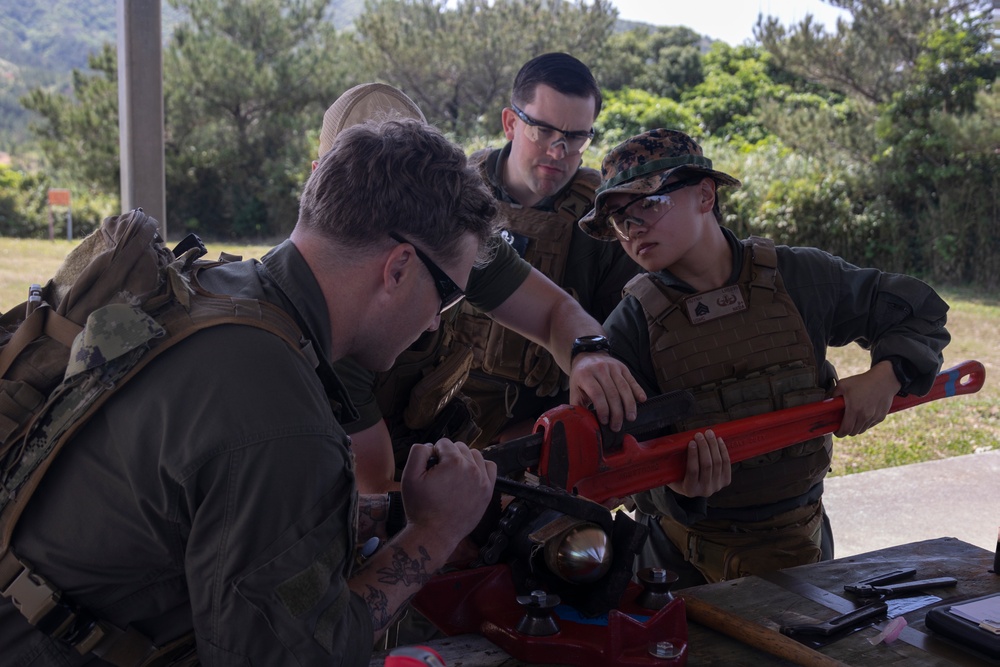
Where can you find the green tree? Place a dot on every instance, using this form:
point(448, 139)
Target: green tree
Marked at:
point(459, 64)
point(245, 87)
point(22, 208)
point(79, 133)
point(630, 111)
point(916, 137)
point(736, 80)
point(243, 81)
point(664, 61)
point(941, 176)
point(872, 56)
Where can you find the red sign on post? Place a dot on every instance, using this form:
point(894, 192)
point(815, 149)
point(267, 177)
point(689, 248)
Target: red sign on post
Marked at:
point(58, 197)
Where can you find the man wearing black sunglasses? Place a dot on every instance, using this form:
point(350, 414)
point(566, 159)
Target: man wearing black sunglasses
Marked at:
point(211, 506)
point(543, 191)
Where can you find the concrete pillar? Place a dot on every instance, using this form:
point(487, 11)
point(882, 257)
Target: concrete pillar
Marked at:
point(140, 108)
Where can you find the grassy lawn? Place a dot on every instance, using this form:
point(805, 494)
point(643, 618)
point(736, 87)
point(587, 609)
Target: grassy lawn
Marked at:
point(949, 427)
point(944, 428)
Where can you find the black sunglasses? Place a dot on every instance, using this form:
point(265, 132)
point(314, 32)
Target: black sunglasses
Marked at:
point(543, 134)
point(447, 289)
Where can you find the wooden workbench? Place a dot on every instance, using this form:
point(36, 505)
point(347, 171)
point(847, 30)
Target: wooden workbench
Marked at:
point(805, 594)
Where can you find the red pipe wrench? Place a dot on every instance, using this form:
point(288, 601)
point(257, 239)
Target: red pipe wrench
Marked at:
point(570, 450)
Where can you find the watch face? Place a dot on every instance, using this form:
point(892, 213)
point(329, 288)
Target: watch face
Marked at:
point(590, 344)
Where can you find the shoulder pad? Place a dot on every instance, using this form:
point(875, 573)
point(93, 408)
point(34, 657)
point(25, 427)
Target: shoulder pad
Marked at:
point(590, 178)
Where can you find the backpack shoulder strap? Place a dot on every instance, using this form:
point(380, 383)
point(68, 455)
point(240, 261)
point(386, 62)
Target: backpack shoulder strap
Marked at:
point(39, 320)
point(76, 401)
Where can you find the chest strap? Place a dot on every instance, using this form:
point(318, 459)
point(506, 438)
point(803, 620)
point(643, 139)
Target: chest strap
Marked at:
point(43, 606)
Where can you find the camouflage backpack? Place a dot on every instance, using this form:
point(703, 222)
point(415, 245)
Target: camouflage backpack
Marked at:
point(120, 298)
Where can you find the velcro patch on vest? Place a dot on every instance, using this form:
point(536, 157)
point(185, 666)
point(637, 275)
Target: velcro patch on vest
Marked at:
point(715, 304)
point(519, 242)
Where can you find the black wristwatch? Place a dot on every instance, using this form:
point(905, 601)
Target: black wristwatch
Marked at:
point(590, 344)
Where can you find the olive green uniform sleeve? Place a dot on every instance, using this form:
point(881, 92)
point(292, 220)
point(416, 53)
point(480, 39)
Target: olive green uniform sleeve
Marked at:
point(893, 316)
point(888, 314)
point(492, 284)
point(233, 507)
point(597, 272)
point(214, 494)
point(629, 337)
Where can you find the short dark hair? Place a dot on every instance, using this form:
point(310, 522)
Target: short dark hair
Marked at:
point(401, 176)
point(559, 71)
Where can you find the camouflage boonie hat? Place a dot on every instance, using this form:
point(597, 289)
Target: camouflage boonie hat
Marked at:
point(642, 165)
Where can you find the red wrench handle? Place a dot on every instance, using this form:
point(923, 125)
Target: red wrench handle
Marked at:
point(641, 466)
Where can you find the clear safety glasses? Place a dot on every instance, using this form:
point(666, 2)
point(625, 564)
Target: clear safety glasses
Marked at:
point(646, 209)
point(547, 136)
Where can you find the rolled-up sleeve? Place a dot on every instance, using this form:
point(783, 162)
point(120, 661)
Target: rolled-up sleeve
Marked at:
point(888, 314)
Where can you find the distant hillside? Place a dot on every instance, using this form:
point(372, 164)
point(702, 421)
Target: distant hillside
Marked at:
point(621, 25)
point(53, 34)
point(57, 35)
point(43, 41)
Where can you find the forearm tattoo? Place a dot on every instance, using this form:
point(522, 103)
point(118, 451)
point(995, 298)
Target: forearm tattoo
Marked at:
point(378, 605)
point(405, 570)
point(373, 510)
point(401, 570)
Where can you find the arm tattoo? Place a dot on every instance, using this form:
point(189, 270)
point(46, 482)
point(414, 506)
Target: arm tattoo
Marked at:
point(378, 605)
point(405, 570)
point(373, 510)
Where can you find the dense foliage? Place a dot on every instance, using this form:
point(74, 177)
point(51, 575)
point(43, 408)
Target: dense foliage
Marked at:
point(458, 65)
point(876, 139)
point(920, 166)
point(243, 79)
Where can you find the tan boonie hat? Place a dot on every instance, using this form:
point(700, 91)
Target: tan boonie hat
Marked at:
point(642, 165)
point(367, 101)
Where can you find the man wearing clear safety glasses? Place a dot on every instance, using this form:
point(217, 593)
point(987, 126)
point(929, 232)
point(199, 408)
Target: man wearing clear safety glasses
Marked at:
point(543, 191)
point(572, 142)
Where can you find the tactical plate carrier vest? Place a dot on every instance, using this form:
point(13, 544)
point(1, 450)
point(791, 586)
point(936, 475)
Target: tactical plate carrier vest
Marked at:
point(420, 397)
point(499, 351)
point(742, 350)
